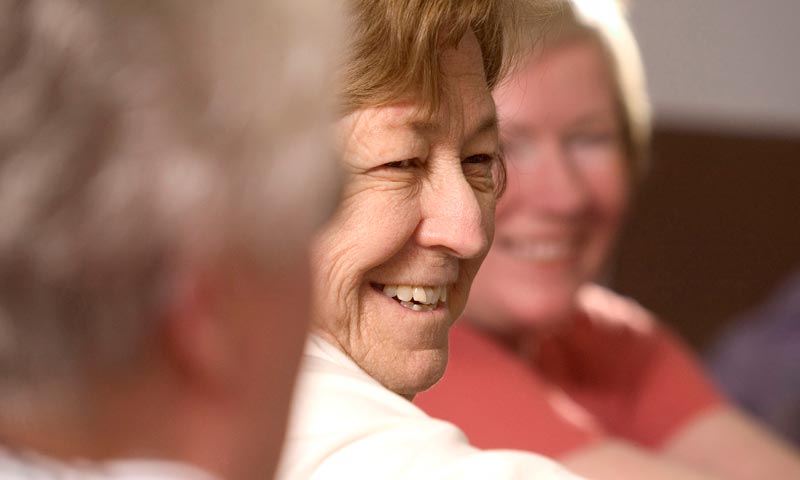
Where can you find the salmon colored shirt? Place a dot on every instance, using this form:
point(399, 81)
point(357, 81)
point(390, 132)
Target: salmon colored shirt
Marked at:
point(614, 372)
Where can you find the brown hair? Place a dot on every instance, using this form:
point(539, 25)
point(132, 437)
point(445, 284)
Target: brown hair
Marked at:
point(395, 44)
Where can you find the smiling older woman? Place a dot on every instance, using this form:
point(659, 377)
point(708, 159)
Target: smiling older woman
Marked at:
point(393, 269)
point(415, 223)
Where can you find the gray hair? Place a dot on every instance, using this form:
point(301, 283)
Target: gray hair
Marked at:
point(135, 135)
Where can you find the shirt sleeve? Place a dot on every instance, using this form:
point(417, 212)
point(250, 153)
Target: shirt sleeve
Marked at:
point(673, 389)
point(637, 378)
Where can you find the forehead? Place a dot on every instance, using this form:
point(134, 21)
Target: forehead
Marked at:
point(568, 80)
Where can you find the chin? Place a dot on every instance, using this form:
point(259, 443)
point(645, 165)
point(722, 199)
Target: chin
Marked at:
point(525, 308)
point(546, 301)
point(419, 372)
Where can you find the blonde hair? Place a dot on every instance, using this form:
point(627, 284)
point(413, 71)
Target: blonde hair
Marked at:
point(604, 22)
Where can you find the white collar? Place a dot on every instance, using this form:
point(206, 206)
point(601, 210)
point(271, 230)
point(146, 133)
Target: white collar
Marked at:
point(323, 356)
point(318, 347)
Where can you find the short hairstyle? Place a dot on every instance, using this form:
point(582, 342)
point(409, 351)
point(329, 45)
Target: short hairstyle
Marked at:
point(137, 135)
point(395, 47)
point(604, 22)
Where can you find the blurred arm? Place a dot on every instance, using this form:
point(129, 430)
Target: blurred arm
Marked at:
point(730, 444)
point(612, 460)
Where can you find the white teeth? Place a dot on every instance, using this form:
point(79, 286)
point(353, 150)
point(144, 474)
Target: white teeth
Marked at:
point(417, 298)
point(429, 295)
point(418, 307)
point(405, 293)
point(543, 251)
point(420, 295)
point(390, 290)
point(435, 293)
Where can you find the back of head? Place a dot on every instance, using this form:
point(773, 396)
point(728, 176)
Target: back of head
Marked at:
point(136, 136)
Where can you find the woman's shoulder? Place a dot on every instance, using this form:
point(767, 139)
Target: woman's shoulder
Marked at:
point(346, 423)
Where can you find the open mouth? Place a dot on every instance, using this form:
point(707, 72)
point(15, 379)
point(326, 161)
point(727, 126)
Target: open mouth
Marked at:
point(543, 251)
point(419, 298)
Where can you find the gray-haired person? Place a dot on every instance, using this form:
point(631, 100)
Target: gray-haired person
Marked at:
point(161, 170)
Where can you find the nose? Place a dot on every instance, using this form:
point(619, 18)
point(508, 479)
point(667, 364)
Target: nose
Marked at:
point(554, 185)
point(455, 217)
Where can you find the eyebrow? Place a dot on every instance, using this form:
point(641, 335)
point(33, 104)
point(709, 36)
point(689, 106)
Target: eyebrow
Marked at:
point(522, 129)
point(593, 118)
point(488, 123)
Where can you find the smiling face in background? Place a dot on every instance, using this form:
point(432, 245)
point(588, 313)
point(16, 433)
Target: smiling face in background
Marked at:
point(567, 188)
point(393, 269)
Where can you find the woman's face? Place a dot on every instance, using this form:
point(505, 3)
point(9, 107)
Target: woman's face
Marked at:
point(416, 219)
point(567, 188)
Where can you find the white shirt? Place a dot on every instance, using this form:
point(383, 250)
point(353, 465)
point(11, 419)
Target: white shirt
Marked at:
point(345, 424)
point(33, 466)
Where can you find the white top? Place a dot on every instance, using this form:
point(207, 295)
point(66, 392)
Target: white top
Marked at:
point(33, 466)
point(345, 424)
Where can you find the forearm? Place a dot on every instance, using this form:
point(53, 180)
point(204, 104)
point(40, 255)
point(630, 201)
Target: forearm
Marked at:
point(728, 443)
point(612, 460)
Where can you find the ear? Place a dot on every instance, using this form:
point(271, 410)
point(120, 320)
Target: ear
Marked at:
point(198, 341)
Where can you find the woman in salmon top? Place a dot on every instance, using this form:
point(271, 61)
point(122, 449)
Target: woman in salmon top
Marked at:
point(546, 361)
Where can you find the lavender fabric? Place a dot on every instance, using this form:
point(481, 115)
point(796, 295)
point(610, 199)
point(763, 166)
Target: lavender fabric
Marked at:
point(757, 361)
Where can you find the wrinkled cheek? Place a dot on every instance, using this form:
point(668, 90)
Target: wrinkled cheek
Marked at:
point(488, 209)
point(468, 272)
point(336, 292)
point(488, 227)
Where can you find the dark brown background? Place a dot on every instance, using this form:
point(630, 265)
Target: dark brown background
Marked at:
point(715, 228)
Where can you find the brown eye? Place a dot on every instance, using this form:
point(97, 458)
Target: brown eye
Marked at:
point(481, 158)
point(399, 164)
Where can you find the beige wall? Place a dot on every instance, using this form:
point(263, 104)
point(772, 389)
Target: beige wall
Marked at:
point(731, 64)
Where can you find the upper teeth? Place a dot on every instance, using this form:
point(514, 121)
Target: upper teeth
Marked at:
point(543, 251)
point(420, 294)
